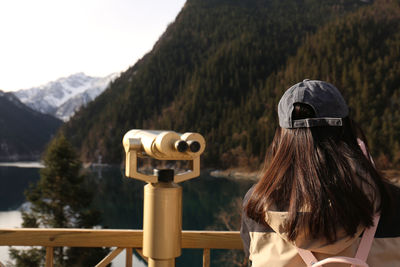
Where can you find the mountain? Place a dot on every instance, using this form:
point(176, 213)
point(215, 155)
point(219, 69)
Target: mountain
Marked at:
point(61, 98)
point(360, 55)
point(221, 66)
point(24, 132)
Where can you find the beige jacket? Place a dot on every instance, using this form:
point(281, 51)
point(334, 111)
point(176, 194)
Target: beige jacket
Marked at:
point(269, 247)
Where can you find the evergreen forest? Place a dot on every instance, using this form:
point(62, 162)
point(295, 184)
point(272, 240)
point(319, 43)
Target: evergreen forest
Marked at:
point(222, 65)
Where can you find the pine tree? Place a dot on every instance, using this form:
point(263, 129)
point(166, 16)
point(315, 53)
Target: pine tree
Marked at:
point(60, 199)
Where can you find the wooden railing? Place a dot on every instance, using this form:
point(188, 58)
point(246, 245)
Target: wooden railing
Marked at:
point(122, 239)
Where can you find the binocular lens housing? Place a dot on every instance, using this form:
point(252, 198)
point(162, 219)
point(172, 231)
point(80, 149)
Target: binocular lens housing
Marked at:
point(164, 145)
point(181, 146)
point(194, 146)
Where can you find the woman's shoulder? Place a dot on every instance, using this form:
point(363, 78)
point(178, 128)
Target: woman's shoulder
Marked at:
point(389, 222)
point(252, 225)
point(247, 195)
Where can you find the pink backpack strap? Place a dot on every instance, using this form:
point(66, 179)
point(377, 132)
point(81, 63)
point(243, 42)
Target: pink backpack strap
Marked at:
point(348, 260)
point(307, 256)
point(361, 255)
point(311, 261)
point(366, 240)
point(363, 147)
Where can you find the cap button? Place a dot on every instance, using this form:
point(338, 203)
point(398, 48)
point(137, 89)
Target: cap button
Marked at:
point(306, 80)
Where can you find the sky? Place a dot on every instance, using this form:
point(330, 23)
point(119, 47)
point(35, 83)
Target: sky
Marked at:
point(43, 40)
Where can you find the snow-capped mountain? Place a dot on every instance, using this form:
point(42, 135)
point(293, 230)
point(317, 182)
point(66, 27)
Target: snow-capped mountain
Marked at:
point(63, 97)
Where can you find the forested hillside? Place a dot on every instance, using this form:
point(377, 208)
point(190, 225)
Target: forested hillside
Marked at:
point(361, 56)
point(220, 68)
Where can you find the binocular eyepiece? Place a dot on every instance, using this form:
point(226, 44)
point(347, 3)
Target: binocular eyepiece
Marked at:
point(164, 145)
point(183, 146)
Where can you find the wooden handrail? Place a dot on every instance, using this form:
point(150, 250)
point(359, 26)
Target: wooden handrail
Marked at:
point(70, 237)
point(128, 239)
point(59, 237)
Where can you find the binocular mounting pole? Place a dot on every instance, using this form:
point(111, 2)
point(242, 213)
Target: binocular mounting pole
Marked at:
point(162, 220)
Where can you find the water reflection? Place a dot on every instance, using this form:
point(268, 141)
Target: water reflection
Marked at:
point(14, 180)
point(120, 201)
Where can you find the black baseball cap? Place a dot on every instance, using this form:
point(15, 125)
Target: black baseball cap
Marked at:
point(325, 99)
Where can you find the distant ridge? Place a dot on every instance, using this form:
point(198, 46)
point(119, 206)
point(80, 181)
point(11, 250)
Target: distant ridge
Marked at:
point(24, 132)
point(221, 66)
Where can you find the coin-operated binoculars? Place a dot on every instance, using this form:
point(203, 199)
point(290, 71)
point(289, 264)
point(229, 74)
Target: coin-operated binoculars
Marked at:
point(162, 220)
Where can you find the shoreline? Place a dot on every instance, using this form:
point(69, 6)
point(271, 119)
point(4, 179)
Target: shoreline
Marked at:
point(237, 174)
point(22, 164)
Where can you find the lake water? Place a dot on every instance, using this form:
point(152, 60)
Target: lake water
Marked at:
point(207, 203)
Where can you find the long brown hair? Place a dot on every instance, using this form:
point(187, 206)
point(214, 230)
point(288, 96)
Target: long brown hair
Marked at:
point(318, 169)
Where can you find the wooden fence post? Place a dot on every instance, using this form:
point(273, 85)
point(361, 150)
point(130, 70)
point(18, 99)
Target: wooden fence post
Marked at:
point(206, 257)
point(49, 256)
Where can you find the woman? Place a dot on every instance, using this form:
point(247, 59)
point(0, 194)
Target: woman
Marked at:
point(320, 189)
